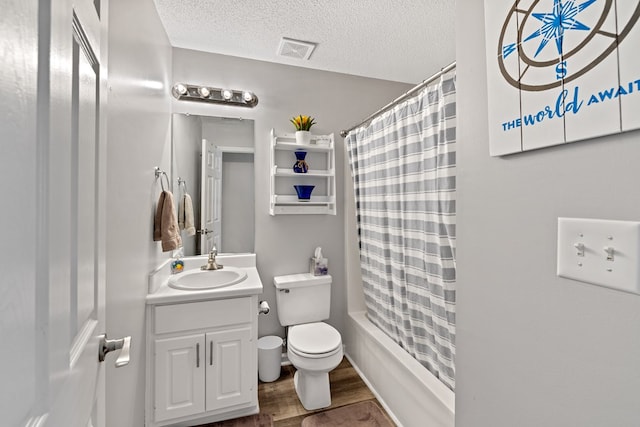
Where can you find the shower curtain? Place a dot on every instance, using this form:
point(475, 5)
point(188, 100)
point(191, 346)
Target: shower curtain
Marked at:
point(403, 170)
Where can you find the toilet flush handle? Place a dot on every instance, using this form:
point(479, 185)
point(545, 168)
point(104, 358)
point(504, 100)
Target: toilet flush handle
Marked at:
point(286, 291)
point(263, 307)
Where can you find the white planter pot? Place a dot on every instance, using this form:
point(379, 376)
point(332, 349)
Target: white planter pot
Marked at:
point(303, 137)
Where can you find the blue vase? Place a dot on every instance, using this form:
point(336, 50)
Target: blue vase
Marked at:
point(300, 165)
point(304, 192)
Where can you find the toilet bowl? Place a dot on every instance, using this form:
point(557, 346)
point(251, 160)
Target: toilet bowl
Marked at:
point(314, 349)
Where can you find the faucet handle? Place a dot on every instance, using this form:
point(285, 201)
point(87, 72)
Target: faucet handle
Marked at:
point(214, 252)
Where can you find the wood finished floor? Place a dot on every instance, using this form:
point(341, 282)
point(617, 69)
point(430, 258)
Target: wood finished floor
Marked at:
point(279, 398)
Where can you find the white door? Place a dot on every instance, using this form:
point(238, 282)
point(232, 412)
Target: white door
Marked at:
point(229, 373)
point(211, 189)
point(179, 377)
point(53, 299)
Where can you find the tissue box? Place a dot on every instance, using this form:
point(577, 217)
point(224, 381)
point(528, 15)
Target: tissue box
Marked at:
point(319, 266)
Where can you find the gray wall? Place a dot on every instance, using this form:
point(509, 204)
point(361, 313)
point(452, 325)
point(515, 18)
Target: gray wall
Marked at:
point(238, 206)
point(534, 349)
point(336, 101)
point(186, 135)
point(138, 140)
point(186, 148)
point(228, 133)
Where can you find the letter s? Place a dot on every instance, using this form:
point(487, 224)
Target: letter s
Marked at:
point(561, 70)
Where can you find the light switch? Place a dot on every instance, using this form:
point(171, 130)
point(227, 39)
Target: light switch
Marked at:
point(600, 252)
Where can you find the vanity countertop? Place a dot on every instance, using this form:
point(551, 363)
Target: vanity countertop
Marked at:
point(160, 292)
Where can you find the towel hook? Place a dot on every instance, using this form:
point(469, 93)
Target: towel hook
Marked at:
point(160, 173)
point(183, 183)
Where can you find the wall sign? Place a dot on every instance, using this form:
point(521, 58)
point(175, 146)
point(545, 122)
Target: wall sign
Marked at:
point(560, 71)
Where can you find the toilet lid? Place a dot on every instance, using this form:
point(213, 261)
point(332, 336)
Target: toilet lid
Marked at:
point(314, 338)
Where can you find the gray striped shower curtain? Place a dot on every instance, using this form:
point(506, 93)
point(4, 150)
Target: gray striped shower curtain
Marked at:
point(403, 167)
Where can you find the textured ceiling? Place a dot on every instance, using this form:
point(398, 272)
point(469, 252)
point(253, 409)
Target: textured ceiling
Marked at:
point(399, 40)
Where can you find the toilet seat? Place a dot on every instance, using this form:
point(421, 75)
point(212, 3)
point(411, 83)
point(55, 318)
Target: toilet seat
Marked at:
point(314, 340)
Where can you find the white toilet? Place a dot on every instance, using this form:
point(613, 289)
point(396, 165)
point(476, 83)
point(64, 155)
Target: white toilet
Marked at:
point(313, 347)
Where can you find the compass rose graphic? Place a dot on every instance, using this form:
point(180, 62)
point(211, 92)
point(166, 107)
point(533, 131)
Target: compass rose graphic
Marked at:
point(584, 33)
point(555, 23)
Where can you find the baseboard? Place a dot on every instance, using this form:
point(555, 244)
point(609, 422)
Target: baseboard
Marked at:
point(375, 393)
point(285, 362)
point(284, 359)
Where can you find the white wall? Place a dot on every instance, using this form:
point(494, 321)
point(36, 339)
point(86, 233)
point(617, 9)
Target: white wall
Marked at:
point(23, 373)
point(534, 349)
point(138, 139)
point(284, 243)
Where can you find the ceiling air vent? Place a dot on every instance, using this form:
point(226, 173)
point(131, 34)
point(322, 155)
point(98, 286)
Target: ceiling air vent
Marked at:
point(295, 48)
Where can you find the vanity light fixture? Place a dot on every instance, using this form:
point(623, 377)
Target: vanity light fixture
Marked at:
point(238, 98)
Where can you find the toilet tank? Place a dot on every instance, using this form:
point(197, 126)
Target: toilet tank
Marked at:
point(302, 298)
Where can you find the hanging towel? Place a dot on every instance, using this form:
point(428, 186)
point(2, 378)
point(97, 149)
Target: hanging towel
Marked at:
point(181, 213)
point(165, 224)
point(185, 215)
point(157, 219)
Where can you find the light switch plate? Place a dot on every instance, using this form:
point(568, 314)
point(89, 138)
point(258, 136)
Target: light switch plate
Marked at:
point(585, 244)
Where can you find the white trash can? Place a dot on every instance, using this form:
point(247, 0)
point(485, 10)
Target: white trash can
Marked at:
point(269, 358)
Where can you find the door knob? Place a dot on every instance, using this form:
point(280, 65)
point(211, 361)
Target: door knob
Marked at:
point(123, 344)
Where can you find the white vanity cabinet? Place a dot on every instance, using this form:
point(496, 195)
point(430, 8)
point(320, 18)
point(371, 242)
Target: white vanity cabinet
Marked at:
point(203, 361)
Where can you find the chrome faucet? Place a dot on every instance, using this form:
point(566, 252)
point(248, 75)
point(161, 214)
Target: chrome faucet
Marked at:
point(211, 263)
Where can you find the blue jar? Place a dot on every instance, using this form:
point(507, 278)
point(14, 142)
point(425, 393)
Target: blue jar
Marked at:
point(304, 192)
point(300, 166)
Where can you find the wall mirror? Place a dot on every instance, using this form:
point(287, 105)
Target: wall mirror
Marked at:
point(212, 160)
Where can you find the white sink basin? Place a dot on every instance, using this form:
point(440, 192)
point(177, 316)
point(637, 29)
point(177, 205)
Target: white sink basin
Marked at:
point(196, 280)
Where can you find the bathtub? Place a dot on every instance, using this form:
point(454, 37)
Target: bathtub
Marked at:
point(411, 394)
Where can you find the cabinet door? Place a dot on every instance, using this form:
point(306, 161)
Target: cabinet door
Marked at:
point(230, 371)
point(179, 376)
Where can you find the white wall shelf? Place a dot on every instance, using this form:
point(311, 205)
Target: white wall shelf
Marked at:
point(321, 173)
point(311, 172)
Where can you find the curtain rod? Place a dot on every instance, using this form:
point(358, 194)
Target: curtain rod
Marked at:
point(419, 86)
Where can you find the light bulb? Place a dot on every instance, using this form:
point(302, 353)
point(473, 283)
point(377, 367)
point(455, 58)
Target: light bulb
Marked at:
point(227, 94)
point(204, 92)
point(180, 89)
point(247, 96)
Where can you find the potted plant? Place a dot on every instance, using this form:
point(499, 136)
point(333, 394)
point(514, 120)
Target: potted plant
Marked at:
point(302, 125)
